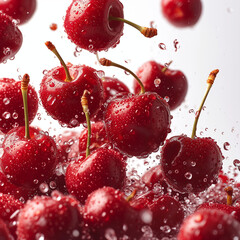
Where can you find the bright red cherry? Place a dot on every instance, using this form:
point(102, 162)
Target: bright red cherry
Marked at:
point(62, 88)
point(209, 224)
point(11, 104)
point(97, 25)
point(108, 214)
point(10, 38)
point(104, 167)
point(4, 232)
point(56, 217)
point(169, 84)
point(136, 124)
point(182, 13)
point(192, 164)
point(111, 86)
point(21, 10)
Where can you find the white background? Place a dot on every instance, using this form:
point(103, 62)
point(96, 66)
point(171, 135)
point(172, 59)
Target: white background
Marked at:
point(213, 43)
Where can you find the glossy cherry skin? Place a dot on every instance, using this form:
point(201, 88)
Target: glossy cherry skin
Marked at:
point(9, 209)
point(137, 124)
point(208, 224)
point(106, 211)
point(111, 86)
point(10, 38)
point(28, 162)
point(191, 165)
point(62, 100)
point(182, 13)
point(171, 84)
point(4, 232)
point(166, 212)
point(104, 167)
point(98, 137)
point(21, 10)
point(54, 218)
point(11, 104)
point(87, 24)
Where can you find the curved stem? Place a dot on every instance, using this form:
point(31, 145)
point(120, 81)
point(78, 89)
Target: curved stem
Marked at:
point(131, 196)
point(210, 82)
point(24, 89)
point(84, 103)
point(147, 32)
point(107, 63)
point(51, 47)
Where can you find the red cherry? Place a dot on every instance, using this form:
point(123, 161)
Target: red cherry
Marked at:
point(9, 208)
point(4, 232)
point(171, 84)
point(182, 13)
point(98, 137)
point(62, 88)
point(137, 124)
point(166, 213)
point(104, 167)
point(51, 218)
point(107, 213)
point(22, 10)
point(209, 224)
point(10, 38)
point(111, 86)
point(28, 162)
point(11, 104)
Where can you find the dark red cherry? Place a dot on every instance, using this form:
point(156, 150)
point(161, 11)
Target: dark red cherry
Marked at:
point(28, 161)
point(108, 214)
point(182, 13)
point(56, 217)
point(21, 10)
point(137, 124)
point(87, 24)
point(191, 165)
point(166, 213)
point(209, 224)
point(104, 167)
point(10, 38)
point(4, 232)
point(111, 86)
point(9, 209)
point(169, 84)
point(11, 104)
point(98, 137)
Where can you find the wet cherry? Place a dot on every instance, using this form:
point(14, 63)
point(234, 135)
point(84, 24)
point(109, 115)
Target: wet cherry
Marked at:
point(4, 232)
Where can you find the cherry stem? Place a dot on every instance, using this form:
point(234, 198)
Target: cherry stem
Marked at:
point(210, 82)
point(131, 196)
point(229, 191)
point(51, 47)
point(166, 66)
point(24, 88)
point(84, 103)
point(107, 63)
point(147, 32)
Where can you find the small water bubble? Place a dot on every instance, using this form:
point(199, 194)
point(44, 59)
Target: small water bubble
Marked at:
point(43, 187)
point(157, 82)
point(6, 51)
point(45, 72)
point(35, 181)
point(162, 46)
point(6, 115)
point(110, 234)
point(166, 98)
point(176, 45)
point(127, 73)
point(6, 101)
point(15, 115)
point(236, 163)
point(75, 233)
point(226, 146)
point(188, 175)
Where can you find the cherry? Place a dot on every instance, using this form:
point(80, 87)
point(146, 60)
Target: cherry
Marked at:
point(56, 217)
point(107, 213)
point(111, 86)
point(4, 232)
point(167, 213)
point(9, 209)
point(11, 104)
point(62, 88)
point(29, 156)
point(136, 124)
point(192, 164)
point(182, 13)
point(98, 25)
point(22, 10)
point(10, 38)
point(209, 224)
point(170, 84)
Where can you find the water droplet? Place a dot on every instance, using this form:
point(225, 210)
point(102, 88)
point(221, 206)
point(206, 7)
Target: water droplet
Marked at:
point(6, 115)
point(43, 187)
point(162, 46)
point(6, 101)
point(157, 82)
point(236, 163)
point(188, 175)
point(176, 45)
point(166, 99)
point(15, 115)
point(226, 146)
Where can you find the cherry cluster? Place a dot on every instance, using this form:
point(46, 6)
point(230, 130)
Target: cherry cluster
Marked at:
point(74, 185)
